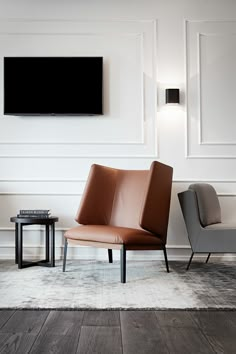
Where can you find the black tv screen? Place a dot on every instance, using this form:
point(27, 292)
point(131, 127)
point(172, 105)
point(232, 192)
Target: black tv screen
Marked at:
point(53, 85)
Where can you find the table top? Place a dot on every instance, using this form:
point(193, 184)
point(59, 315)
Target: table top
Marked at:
point(34, 220)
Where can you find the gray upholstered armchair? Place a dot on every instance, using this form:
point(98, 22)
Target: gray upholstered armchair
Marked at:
point(202, 215)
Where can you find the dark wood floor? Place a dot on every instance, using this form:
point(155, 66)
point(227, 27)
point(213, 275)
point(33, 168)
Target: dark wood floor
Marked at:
point(114, 332)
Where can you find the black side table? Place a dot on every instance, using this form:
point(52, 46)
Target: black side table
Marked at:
point(49, 223)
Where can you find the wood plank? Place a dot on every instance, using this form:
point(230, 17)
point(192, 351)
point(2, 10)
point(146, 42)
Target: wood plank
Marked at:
point(25, 321)
point(101, 318)
point(60, 333)
point(219, 327)
point(216, 322)
point(52, 343)
point(177, 319)
point(185, 340)
point(4, 316)
point(232, 317)
point(3, 338)
point(181, 333)
point(141, 333)
point(100, 339)
point(63, 323)
point(16, 342)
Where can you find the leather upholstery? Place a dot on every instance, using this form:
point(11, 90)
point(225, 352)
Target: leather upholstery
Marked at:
point(128, 207)
point(97, 200)
point(155, 213)
point(128, 199)
point(112, 234)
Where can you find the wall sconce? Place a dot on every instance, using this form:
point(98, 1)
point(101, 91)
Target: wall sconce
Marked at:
point(172, 95)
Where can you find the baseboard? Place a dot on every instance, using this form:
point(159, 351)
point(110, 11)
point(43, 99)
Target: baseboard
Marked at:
point(174, 252)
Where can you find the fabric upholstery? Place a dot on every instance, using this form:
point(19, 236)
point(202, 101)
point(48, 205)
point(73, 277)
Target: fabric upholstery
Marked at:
point(219, 237)
point(112, 234)
point(222, 226)
point(208, 203)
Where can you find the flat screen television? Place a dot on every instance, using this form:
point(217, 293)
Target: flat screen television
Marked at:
point(53, 86)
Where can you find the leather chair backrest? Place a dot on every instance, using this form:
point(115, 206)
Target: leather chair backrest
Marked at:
point(128, 198)
point(155, 213)
point(97, 200)
point(208, 203)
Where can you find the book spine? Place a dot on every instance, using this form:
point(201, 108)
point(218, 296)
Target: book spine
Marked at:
point(34, 211)
point(40, 216)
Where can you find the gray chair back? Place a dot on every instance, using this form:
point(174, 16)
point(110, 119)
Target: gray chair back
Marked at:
point(208, 203)
point(200, 207)
point(189, 207)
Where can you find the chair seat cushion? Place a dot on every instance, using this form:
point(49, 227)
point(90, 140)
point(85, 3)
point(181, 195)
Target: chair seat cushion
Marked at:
point(112, 234)
point(221, 226)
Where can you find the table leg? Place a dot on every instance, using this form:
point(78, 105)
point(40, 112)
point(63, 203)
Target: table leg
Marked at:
point(52, 245)
point(47, 242)
point(19, 244)
point(16, 243)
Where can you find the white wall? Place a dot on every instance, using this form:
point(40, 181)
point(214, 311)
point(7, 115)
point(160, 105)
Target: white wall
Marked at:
point(147, 46)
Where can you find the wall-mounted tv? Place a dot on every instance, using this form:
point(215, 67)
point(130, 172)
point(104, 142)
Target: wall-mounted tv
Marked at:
point(53, 86)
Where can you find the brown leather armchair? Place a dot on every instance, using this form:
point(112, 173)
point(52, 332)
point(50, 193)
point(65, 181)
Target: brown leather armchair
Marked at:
point(125, 210)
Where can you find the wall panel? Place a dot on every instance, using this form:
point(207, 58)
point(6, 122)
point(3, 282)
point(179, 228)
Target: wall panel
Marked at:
point(211, 54)
point(146, 45)
point(128, 126)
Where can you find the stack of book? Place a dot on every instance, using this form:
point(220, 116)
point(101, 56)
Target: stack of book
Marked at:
point(34, 213)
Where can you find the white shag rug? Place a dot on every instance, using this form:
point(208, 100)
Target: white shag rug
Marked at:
point(96, 285)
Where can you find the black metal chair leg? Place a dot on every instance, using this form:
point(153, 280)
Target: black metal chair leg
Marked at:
point(16, 243)
point(166, 260)
point(110, 258)
point(47, 243)
point(65, 254)
point(53, 245)
point(209, 254)
point(123, 264)
point(20, 245)
point(190, 261)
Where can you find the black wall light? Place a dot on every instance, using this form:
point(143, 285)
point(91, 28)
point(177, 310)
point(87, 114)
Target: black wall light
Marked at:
point(172, 95)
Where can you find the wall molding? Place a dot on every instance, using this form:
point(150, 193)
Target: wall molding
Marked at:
point(186, 66)
point(207, 180)
point(11, 245)
point(101, 156)
point(41, 194)
point(38, 180)
point(212, 157)
point(109, 34)
point(199, 87)
point(216, 143)
point(201, 142)
point(30, 229)
point(72, 143)
point(199, 138)
point(174, 253)
point(141, 29)
point(75, 20)
point(80, 194)
point(84, 180)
